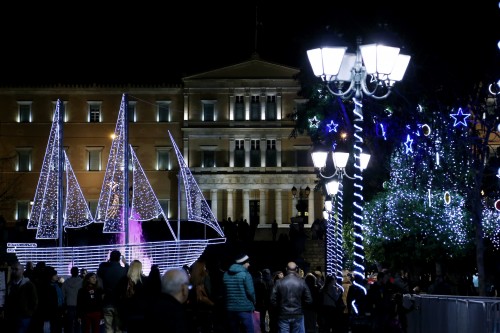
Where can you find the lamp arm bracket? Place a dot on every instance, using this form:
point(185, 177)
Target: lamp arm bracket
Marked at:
point(345, 174)
point(383, 96)
point(325, 176)
point(373, 93)
point(339, 92)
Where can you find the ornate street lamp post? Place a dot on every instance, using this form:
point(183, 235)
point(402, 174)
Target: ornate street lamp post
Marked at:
point(372, 71)
point(302, 196)
point(334, 214)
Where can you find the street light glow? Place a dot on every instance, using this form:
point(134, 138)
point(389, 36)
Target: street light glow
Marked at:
point(372, 71)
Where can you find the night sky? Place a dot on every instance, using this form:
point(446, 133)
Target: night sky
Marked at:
point(140, 43)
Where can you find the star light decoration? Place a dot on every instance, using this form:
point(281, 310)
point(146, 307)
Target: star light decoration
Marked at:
point(408, 143)
point(460, 118)
point(314, 122)
point(332, 127)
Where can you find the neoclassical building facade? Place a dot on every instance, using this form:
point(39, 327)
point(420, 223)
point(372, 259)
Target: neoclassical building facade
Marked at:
point(231, 125)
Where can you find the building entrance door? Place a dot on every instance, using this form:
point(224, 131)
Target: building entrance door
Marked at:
point(254, 212)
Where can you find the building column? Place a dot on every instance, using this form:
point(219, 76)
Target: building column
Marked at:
point(182, 210)
point(186, 107)
point(185, 153)
point(247, 107)
point(264, 194)
point(278, 107)
point(310, 208)
point(263, 148)
point(263, 100)
point(278, 152)
point(279, 206)
point(295, 202)
point(232, 98)
point(230, 205)
point(247, 152)
point(213, 200)
point(246, 205)
point(232, 146)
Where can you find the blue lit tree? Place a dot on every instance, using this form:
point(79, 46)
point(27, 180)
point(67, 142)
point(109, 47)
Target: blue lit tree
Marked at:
point(422, 207)
point(440, 199)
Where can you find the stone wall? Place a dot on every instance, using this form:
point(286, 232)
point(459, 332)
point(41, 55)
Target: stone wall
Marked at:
point(314, 254)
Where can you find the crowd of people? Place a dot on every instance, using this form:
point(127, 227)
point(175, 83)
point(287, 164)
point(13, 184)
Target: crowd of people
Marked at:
point(119, 297)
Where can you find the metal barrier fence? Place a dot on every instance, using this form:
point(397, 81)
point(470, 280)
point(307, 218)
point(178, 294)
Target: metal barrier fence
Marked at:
point(454, 314)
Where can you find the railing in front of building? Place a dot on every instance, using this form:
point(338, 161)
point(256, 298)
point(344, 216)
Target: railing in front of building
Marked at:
point(454, 314)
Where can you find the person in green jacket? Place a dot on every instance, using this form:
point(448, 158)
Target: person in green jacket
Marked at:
point(240, 295)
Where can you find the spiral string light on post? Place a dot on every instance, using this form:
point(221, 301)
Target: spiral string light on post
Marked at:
point(372, 71)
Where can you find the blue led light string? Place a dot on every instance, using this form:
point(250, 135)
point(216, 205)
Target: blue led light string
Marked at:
point(330, 245)
point(340, 238)
point(359, 250)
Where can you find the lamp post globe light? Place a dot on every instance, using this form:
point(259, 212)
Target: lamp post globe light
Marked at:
point(372, 71)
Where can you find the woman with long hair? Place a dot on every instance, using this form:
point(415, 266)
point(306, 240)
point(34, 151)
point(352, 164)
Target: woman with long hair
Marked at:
point(132, 298)
point(202, 305)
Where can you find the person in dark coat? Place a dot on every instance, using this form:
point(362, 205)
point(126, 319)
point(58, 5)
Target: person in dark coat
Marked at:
point(167, 312)
point(21, 301)
point(132, 299)
point(332, 307)
point(152, 287)
point(289, 295)
point(89, 304)
point(111, 272)
point(274, 230)
point(311, 310)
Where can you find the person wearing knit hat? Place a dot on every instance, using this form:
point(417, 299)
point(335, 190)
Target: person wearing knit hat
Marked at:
point(243, 259)
point(240, 295)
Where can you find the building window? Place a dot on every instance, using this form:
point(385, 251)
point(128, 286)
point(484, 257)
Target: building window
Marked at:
point(24, 112)
point(239, 108)
point(271, 153)
point(209, 159)
point(94, 158)
point(24, 159)
point(255, 108)
point(162, 159)
point(131, 112)
point(22, 210)
point(239, 153)
point(208, 111)
point(300, 106)
point(94, 112)
point(163, 111)
point(303, 157)
point(271, 108)
point(255, 153)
